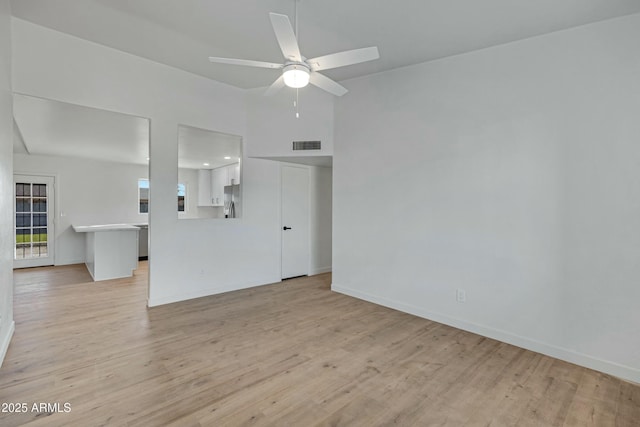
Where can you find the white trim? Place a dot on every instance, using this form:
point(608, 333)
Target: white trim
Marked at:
point(6, 340)
point(154, 302)
point(70, 261)
point(625, 372)
point(320, 270)
point(280, 219)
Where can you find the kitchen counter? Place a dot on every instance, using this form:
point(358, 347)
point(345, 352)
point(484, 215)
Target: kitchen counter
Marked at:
point(103, 227)
point(111, 250)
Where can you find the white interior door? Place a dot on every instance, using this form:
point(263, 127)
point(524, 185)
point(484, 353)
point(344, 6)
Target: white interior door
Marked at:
point(295, 221)
point(33, 221)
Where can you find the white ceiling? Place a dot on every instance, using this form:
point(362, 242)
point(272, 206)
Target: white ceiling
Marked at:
point(205, 149)
point(183, 33)
point(60, 129)
point(47, 127)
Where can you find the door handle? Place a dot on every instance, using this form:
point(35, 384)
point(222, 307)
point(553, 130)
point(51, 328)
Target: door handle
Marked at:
point(285, 228)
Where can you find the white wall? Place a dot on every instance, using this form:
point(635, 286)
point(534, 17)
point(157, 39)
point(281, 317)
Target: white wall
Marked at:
point(321, 212)
point(188, 258)
point(96, 192)
point(512, 173)
point(6, 182)
point(87, 192)
point(272, 123)
point(272, 126)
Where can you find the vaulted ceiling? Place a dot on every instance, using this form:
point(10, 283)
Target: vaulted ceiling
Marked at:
point(183, 33)
point(47, 127)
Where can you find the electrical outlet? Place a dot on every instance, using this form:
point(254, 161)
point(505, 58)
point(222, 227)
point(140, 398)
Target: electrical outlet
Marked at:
point(461, 295)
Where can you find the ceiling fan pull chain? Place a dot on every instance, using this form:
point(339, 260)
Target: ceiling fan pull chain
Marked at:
point(296, 102)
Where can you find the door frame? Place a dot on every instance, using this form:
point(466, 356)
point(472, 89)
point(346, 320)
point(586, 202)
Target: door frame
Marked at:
point(308, 170)
point(52, 202)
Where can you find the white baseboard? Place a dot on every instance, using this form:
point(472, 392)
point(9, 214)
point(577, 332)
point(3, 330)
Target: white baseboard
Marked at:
point(69, 261)
point(320, 270)
point(5, 340)
point(154, 302)
point(625, 372)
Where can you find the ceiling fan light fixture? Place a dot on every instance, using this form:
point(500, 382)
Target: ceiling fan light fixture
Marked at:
point(296, 70)
point(296, 76)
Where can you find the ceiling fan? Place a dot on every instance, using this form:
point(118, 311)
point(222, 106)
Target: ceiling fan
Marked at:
point(298, 71)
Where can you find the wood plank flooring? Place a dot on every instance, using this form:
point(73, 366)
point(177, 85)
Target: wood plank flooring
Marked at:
point(287, 354)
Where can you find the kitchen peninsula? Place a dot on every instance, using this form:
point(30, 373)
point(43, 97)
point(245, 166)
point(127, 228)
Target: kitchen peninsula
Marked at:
point(111, 250)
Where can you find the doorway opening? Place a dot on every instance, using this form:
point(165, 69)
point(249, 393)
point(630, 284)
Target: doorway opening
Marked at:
point(93, 159)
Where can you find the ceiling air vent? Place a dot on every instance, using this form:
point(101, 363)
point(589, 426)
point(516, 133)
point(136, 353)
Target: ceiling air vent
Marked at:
point(306, 145)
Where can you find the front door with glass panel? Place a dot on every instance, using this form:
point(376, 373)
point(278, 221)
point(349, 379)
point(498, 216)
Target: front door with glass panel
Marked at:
point(33, 229)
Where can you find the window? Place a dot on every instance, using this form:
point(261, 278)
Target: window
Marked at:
point(143, 196)
point(31, 221)
point(182, 192)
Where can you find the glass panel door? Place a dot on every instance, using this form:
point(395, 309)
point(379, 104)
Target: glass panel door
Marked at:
point(33, 221)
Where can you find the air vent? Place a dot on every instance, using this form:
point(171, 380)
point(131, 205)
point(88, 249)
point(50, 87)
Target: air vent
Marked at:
point(306, 145)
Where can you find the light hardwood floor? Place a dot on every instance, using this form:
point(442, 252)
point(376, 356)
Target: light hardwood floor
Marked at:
point(288, 354)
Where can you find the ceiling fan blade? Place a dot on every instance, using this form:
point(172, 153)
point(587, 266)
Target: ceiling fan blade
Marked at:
point(325, 83)
point(246, 62)
point(275, 86)
point(286, 37)
point(342, 59)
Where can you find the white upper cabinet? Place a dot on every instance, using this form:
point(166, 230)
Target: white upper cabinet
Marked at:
point(211, 183)
point(204, 187)
point(219, 178)
point(233, 172)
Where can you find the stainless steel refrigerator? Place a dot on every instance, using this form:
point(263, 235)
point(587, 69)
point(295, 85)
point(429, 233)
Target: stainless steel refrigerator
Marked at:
point(232, 206)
